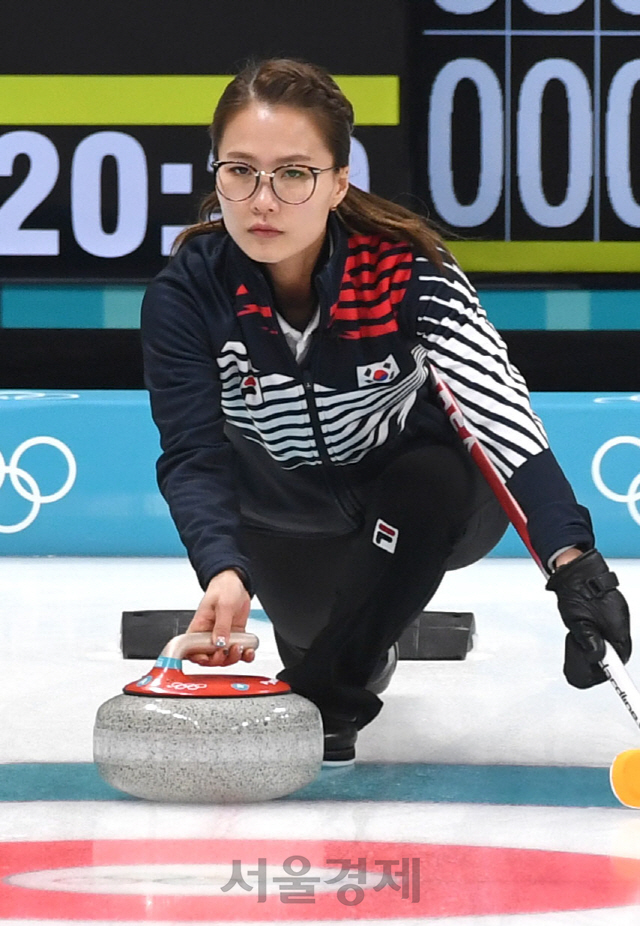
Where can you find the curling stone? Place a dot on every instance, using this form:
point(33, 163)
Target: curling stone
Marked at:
point(207, 738)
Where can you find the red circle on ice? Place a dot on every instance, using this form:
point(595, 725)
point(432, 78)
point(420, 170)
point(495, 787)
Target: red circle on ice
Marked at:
point(184, 879)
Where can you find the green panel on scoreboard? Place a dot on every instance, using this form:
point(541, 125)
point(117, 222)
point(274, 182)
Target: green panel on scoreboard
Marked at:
point(547, 256)
point(160, 99)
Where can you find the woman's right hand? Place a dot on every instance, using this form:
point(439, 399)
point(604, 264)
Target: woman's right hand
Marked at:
point(223, 610)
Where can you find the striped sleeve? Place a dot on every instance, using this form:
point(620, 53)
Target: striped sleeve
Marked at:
point(472, 359)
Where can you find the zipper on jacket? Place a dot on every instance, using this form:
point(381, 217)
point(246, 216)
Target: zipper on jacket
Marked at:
point(329, 470)
point(328, 467)
point(315, 418)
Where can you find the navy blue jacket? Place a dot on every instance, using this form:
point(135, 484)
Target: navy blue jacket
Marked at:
point(249, 436)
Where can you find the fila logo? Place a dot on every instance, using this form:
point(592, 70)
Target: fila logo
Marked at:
point(385, 536)
point(371, 374)
point(251, 391)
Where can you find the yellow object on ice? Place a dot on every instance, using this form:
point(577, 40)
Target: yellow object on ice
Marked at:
point(625, 777)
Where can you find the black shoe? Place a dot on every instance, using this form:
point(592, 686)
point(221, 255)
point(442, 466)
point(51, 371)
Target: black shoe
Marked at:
point(339, 741)
point(383, 674)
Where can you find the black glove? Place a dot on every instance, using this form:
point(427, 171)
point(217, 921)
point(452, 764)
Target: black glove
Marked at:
point(594, 610)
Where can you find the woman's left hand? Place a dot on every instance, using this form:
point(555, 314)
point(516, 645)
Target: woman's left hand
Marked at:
point(593, 611)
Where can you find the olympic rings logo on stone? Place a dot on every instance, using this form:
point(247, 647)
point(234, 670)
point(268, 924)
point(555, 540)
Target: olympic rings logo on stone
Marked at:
point(27, 487)
point(632, 496)
point(185, 686)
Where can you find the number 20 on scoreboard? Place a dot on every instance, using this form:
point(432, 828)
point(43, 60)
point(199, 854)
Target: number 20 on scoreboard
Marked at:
point(526, 117)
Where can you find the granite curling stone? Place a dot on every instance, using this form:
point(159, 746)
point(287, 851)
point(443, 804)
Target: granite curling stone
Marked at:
point(207, 738)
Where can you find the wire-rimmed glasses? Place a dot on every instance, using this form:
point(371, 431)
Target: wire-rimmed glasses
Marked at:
point(292, 183)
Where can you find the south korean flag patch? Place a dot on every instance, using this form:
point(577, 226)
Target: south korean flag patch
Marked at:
point(381, 373)
point(251, 391)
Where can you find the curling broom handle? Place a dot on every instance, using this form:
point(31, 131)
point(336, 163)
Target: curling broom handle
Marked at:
point(612, 665)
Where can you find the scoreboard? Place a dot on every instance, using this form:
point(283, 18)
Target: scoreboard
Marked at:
point(104, 108)
point(525, 122)
point(99, 173)
point(515, 122)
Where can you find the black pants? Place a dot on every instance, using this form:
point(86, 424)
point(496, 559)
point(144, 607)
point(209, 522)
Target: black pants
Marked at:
point(337, 604)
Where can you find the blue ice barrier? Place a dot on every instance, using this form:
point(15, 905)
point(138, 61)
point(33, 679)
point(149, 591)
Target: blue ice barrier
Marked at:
point(114, 507)
point(596, 439)
point(77, 472)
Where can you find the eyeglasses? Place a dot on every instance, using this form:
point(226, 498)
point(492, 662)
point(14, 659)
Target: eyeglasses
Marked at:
point(292, 183)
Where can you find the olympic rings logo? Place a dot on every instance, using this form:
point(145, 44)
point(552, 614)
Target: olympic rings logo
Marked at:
point(632, 496)
point(185, 686)
point(27, 487)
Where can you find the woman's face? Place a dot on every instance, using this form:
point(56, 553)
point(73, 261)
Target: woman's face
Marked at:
point(268, 230)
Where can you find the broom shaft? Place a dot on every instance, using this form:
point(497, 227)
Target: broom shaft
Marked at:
point(611, 664)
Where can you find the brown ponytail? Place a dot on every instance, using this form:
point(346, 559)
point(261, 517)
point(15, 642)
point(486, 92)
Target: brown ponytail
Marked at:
point(366, 213)
point(287, 82)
